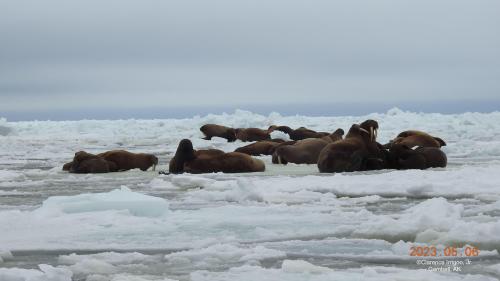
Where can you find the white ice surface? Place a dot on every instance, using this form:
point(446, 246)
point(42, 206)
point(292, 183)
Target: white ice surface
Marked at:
point(242, 226)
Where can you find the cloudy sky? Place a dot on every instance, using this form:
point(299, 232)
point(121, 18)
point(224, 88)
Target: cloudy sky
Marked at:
point(102, 56)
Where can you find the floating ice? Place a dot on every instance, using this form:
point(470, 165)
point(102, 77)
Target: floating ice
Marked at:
point(222, 254)
point(220, 222)
point(302, 270)
point(46, 273)
point(5, 254)
point(119, 199)
point(300, 266)
point(6, 175)
point(109, 257)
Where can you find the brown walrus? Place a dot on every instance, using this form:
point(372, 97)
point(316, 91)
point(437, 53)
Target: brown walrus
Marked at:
point(335, 136)
point(84, 163)
point(352, 153)
point(126, 160)
point(187, 160)
point(253, 134)
point(403, 157)
point(265, 147)
point(304, 151)
point(300, 133)
point(213, 130)
point(414, 138)
point(176, 167)
point(67, 166)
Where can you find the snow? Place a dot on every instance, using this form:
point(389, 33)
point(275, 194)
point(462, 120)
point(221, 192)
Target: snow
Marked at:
point(287, 223)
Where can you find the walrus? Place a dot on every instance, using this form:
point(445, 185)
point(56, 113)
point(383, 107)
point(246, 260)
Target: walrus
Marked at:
point(253, 134)
point(305, 151)
point(213, 130)
point(354, 153)
point(335, 136)
point(403, 157)
point(265, 147)
point(412, 138)
point(300, 133)
point(187, 160)
point(177, 167)
point(126, 160)
point(67, 166)
point(84, 163)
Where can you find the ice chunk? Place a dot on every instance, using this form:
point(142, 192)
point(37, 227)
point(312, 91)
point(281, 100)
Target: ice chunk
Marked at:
point(5, 129)
point(300, 266)
point(7, 175)
point(119, 199)
point(222, 254)
point(302, 270)
point(5, 254)
point(46, 273)
point(435, 214)
point(94, 266)
point(109, 257)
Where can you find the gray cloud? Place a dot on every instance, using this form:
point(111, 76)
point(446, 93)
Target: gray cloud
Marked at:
point(60, 54)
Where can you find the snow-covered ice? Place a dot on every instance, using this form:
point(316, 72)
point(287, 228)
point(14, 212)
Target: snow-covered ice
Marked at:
point(287, 223)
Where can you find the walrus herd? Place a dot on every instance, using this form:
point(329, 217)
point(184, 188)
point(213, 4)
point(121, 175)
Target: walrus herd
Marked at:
point(331, 152)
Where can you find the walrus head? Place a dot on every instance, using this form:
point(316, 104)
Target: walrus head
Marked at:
point(284, 129)
point(272, 128)
point(441, 141)
point(79, 157)
point(372, 127)
point(184, 152)
point(231, 135)
point(339, 132)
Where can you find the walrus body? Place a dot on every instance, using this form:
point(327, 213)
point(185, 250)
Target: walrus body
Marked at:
point(84, 163)
point(259, 148)
point(414, 138)
point(354, 153)
point(403, 157)
point(252, 134)
point(176, 165)
point(304, 151)
point(434, 157)
point(300, 133)
point(188, 160)
point(335, 136)
point(123, 160)
point(213, 130)
point(126, 160)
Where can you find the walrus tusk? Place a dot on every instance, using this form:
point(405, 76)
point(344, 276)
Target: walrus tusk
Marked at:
point(154, 167)
point(371, 133)
point(279, 159)
point(363, 130)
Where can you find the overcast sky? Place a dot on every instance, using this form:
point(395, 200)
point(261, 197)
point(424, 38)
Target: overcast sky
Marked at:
point(94, 54)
